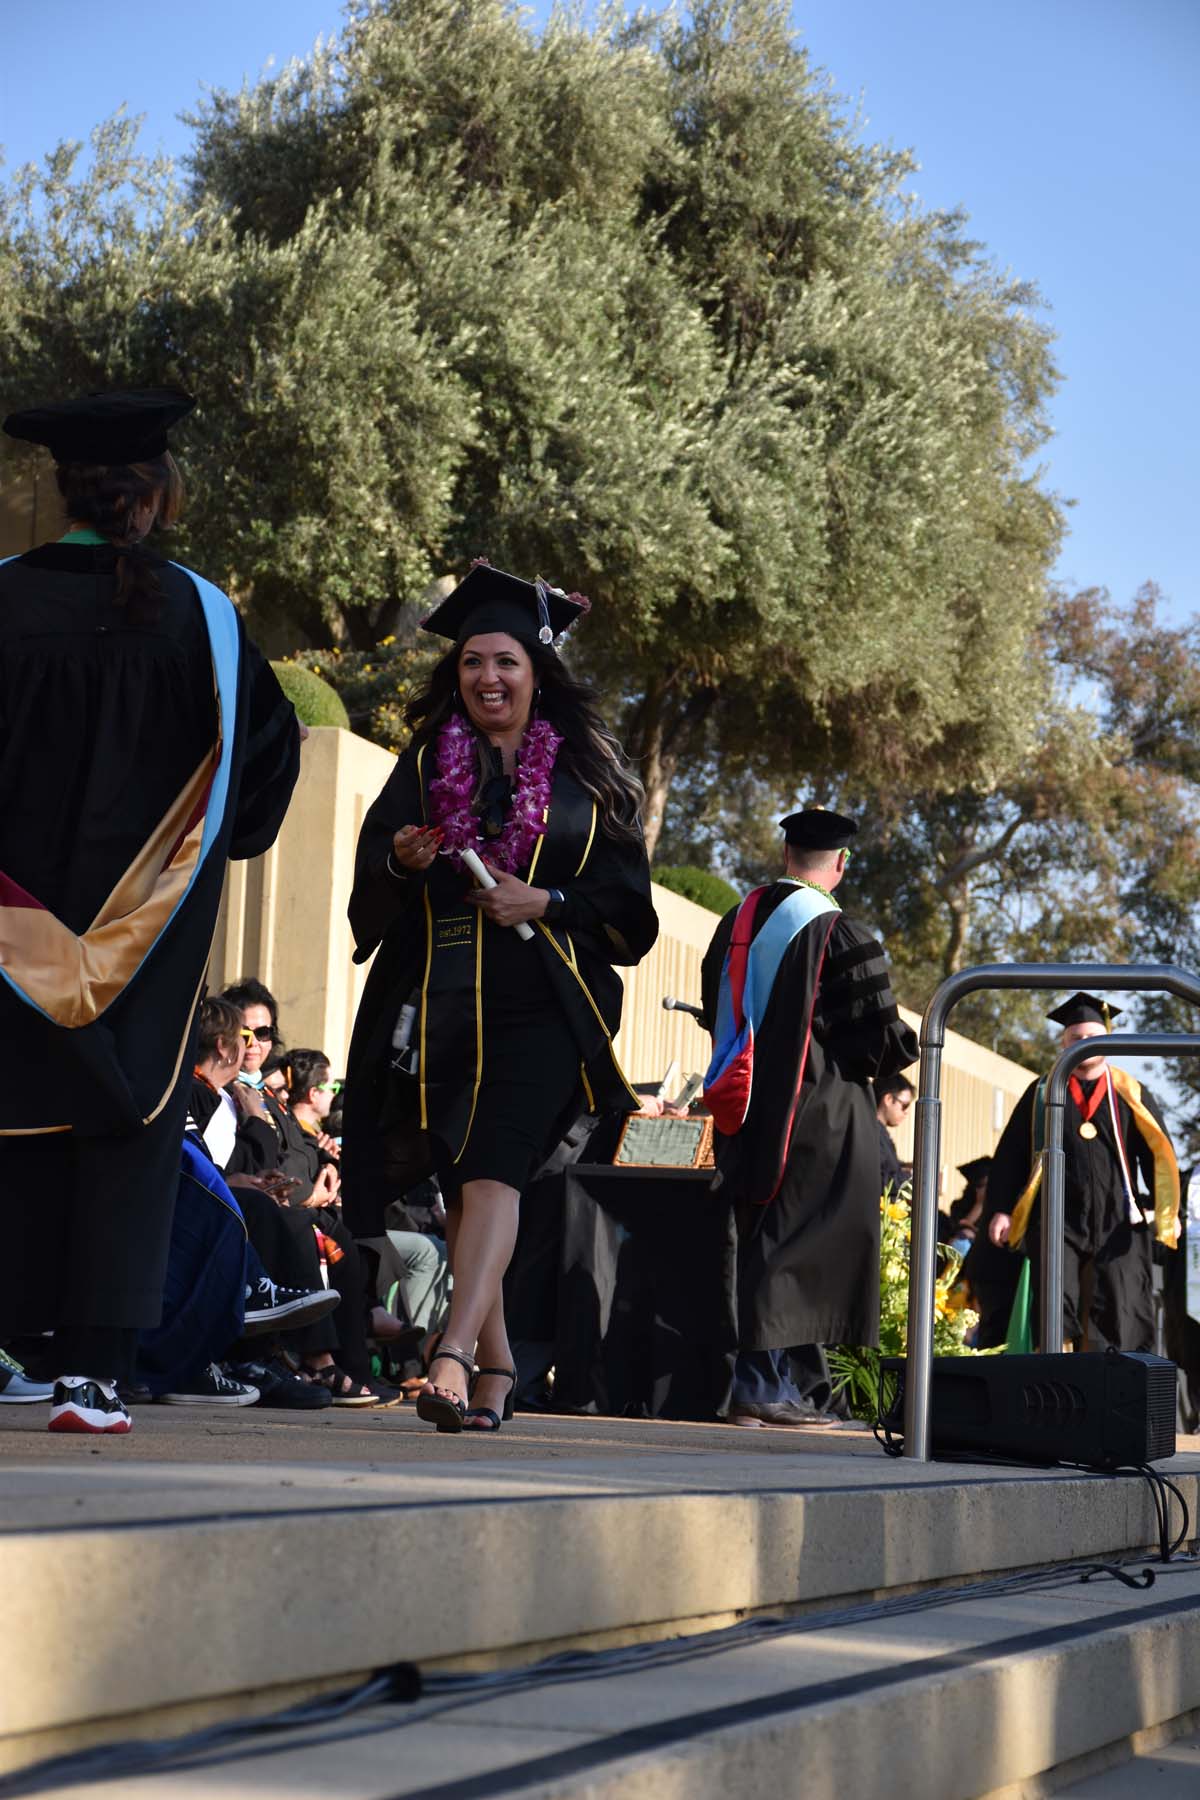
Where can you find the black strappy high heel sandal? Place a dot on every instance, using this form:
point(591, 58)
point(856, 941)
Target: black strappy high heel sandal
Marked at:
point(486, 1412)
point(446, 1411)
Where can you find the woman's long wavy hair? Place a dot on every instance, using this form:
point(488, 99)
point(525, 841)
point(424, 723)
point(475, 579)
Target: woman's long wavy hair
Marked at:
point(590, 752)
point(106, 497)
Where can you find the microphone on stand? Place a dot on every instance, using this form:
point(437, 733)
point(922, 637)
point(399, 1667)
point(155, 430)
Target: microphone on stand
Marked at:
point(671, 1004)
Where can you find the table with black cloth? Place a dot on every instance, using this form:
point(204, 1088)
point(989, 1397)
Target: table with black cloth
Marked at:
point(630, 1274)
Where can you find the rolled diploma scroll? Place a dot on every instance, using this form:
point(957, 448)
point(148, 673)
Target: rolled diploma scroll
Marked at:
point(472, 862)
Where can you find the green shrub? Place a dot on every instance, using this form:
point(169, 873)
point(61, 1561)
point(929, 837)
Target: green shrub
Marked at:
point(376, 685)
point(700, 885)
point(316, 703)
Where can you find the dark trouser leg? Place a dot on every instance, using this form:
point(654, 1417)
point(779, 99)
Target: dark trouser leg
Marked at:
point(87, 1225)
point(285, 1240)
point(1122, 1300)
point(994, 1301)
point(809, 1371)
point(1075, 1273)
point(96, 1350)
point(349, 1278)
point(761, 1378)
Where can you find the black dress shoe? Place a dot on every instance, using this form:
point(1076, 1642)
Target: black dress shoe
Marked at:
point(792, 1413)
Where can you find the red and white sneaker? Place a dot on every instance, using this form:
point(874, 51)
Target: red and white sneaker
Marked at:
point(82, 1403)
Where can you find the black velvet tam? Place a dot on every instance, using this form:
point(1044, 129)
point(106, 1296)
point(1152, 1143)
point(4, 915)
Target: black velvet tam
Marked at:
point(817, 829)
point(127, 425)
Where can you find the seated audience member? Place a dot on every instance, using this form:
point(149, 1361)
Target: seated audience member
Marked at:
point(893, 1097)
point(348, 1379)
point(959, 1227)
point(274, 1079)
point(309, 1090)
point(218, 1289)
point(309, 1099)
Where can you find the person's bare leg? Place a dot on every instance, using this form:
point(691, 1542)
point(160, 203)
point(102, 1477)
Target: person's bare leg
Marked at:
point(492, 1352)
point(492, 1348)
point(480, 1234)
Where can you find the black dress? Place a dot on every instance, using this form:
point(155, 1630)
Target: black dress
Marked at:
point(121, 806)
point(803, 1172)
point(513, 1038)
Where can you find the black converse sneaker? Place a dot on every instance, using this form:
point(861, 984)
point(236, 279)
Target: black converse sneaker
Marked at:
point(81, 1403)
point(213, 1388)
point(270, 1307)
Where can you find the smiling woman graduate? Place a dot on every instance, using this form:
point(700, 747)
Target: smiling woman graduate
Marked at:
point(143, 742)
point(512, 1031)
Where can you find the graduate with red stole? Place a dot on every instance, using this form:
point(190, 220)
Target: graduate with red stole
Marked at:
point(1122, 1193)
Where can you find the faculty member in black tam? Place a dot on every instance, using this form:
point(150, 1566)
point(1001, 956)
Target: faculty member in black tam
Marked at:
point(143, 742)
point(509, 760)
point(1122, 1192)
point(802, 1168)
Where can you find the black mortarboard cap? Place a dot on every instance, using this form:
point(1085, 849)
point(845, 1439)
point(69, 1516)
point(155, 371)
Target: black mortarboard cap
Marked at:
point(1084, 1009)
point(487, 599)
point(817, 829)
point(973, 1172)
point(127, 425)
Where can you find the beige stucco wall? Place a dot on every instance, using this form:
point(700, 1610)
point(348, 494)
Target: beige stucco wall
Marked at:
point(283, 918)
point(31, 512)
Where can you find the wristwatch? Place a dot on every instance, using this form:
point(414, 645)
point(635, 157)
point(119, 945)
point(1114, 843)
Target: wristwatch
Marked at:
point(556, 906)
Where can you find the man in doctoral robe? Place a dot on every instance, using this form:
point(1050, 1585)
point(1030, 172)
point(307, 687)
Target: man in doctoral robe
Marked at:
point(803, 1168)
point(1122, 1192)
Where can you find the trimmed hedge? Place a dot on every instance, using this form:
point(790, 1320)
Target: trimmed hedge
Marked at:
point(700, 885)
point(316, 703)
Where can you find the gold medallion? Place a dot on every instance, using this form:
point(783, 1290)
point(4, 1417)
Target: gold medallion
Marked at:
point(1087, 1129)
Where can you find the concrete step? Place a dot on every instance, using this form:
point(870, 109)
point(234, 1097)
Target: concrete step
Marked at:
point(141, 1596)
point(1001, 1694)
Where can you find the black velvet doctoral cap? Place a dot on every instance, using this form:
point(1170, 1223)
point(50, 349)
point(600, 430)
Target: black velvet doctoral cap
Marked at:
point(126, 425)
point(975, 1171)
point(1084, 1009)
point(488, 600)
point(816, 829)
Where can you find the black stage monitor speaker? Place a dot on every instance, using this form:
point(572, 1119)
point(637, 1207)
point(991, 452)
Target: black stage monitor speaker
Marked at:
point(1106, 1408)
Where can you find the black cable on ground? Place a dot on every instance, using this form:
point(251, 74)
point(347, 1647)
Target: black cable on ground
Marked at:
point(400, 1682)
point(403, 1683)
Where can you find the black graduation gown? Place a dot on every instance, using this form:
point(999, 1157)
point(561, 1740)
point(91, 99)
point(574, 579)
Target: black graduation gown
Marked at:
point(108, 737)
point(804, 1170)
point(426, 939)
point(1107, 1261)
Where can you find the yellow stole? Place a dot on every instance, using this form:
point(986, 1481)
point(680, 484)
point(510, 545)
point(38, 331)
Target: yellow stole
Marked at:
point(1166, 1169)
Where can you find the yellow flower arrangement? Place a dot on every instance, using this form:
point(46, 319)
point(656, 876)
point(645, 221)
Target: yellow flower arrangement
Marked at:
point(855, 1369)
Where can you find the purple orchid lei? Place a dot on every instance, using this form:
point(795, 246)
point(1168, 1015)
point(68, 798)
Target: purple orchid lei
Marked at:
point(452, 787)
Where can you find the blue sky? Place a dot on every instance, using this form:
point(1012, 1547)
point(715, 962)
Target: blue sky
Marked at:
point(1064, 127)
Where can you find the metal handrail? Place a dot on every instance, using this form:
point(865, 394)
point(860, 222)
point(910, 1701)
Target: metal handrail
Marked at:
point(1162, 978)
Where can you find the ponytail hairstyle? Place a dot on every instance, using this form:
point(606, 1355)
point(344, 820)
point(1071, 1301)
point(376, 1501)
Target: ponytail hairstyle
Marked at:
point(302, 1070)
point(590, 751)
point(107, 497)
